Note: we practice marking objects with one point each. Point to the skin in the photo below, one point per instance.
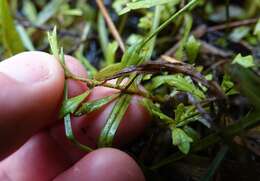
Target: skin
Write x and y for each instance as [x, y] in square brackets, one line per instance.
[33, 145]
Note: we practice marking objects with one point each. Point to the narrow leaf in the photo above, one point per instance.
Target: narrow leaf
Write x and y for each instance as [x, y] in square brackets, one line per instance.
[68, 127]
[114, 119]
[49, 10]
[25, 38]
[70, 105]
[143, 4]
[215, 163]
[108, 71]
[94, 105]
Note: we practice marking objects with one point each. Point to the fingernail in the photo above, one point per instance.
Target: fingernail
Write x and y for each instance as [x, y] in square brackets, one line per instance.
[27, 67]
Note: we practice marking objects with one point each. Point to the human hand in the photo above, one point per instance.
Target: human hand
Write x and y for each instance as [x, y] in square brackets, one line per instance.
[33, 145]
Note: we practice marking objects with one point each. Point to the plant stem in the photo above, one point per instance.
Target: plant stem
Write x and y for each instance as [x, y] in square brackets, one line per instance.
[94, 83]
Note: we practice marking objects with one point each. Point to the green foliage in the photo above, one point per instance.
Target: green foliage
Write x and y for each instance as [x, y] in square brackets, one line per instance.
[91, 106]
[111, 52]
[239, 33]
[71, 105]
[9, 37]
[187, 28]
[192, 48]
[228, 86]
[108, 71]
[181, 139]
[142, 4]
[156, 112]
[27, 43]
[113, 121]
[68, 127]
[180, 82]
[247, 61]
[49, 10]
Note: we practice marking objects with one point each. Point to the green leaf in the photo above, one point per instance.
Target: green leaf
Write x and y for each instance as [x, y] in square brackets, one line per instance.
[70, 105]
[114, 119]
[132, 56]
[228, 86]
[187, 28]
[181, 139]
[68, 127]
[102, 33]
[10, 38]
[247, 61]
[29, 10]
[70, 135]
[53, 41]
[111, 52]
[108, 71]
[142, 4]
[94, 105]
[186, 114]
[156, 112]
[192, 133]
[239, 33]
[192, 48]
[179, 112]
[48, 11]
[25, 38]
[180, 82]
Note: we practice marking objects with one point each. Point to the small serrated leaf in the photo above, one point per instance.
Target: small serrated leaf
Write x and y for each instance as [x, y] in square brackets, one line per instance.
[246, 61]
[181, 139]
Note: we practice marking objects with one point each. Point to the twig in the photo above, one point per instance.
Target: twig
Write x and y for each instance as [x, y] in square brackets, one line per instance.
[110, 24]
[233, 24]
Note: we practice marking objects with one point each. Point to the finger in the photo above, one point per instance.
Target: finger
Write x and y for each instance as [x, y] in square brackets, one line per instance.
[31, 90]
[56, 142]
[41, 158]
[104, 164]
[88, 128]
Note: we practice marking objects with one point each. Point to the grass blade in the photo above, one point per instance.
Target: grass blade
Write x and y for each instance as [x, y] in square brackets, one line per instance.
[215, 164]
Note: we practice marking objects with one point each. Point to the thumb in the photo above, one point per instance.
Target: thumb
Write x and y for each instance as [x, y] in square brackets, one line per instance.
[31, 90]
